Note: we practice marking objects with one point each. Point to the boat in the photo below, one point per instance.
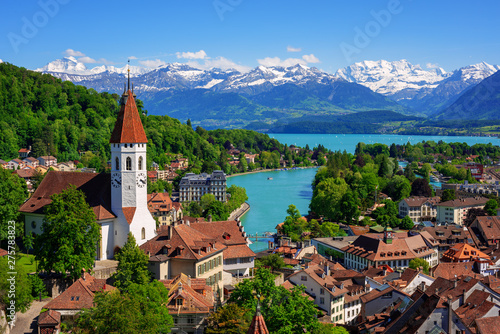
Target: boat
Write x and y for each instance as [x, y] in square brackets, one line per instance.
[269, 178]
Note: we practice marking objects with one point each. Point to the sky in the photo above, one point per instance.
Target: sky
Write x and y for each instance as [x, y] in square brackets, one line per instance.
[243, 34]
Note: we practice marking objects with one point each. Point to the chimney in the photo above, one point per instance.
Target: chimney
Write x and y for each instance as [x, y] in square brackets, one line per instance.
[170, 230]
[450, 313]
[83, 273]
[327, 269]
[422, 286]
[455, 282]
[384, 271]
[209, 218]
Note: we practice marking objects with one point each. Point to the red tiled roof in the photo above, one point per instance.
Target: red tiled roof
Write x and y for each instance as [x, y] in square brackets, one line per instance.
[96, 187]
[476, 306]
[490, 226]
[80, 294]
[128, 126]
[129, 213]
[258, 325]
[196, 294]
[461, 252]
[25, 173]
[464, 202]
[488, 325]
[24, 150]
[448, 270]
[49, 318]
[236, 251]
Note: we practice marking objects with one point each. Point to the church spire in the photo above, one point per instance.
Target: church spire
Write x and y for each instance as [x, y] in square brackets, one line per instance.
[128, 74]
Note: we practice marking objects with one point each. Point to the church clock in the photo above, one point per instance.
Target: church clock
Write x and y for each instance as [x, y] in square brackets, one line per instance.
[141, 180]
[116, 180]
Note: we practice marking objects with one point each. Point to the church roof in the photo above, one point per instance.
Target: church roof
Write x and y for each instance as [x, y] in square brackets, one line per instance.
[258, 325]
[128, 126]
[96, 188]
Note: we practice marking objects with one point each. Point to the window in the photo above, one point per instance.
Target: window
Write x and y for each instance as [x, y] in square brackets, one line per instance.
[179, 301]
[140, 163]
[129, 163]
[303, 278]
[322, 291]
[143, 233]
[322, 300]
[33, 224]
[117, 163]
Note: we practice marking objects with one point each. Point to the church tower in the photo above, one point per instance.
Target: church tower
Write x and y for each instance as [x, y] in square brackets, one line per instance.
[129, 175]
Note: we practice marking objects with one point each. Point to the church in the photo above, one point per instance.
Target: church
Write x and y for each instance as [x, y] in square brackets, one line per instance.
[119, 199]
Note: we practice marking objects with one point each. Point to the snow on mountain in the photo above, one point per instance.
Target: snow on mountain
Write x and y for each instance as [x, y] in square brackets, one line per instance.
[389, 78]
[71, 65]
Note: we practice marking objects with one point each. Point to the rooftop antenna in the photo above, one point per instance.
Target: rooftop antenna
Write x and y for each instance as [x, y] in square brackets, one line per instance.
[128, 70]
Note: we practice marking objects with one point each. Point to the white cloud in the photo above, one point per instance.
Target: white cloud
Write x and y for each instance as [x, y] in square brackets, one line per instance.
[292, 49]
[431, 65]
[152, 63]
[132, 57]
[310, 58]
[87, 60]
[192, 55]
[73, 53]
[276, 61]
[219, 62]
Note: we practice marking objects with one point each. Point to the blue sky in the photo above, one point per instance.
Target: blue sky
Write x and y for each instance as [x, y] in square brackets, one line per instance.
[245, 33]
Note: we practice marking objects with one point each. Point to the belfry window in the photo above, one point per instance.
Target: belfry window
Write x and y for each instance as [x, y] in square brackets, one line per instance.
[117, 163]
[140, 163]
[129, 163]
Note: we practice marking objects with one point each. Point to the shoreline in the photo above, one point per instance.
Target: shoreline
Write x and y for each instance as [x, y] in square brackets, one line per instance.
[240, 212]
[269, 170]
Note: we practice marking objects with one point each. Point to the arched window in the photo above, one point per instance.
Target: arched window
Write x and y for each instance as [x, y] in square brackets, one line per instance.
[143, 233]
[117, 164]
[140, 163]
[129, 163]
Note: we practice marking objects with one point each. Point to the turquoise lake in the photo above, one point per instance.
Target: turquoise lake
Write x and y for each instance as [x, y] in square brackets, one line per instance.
[269, 199]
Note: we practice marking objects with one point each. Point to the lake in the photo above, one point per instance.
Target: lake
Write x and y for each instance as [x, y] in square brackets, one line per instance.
[269, 199]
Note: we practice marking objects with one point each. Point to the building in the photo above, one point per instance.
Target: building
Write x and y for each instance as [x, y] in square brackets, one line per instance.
[192, 186]
[30, 161]
[47, 160]
[119, 199]
[487, 229]
[161, 206]
[49, 322]
[328, 246]
[24, 152]
[328, 293]
[190, 301]
[449, 235]
[80, 295]
[238, 257]
[396, 251]
[463, 253]
[419, 208]
[181, 249]
[16, 164]
[455, 211]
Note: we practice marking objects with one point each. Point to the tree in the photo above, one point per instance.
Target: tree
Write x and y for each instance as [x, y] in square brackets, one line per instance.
[230, 318]
[13, 193]
[491, 207]
[406, 223]
[273, 261]
[472, 214]
[418, 262]
[69, 235]
[19, 278]
[132, 265]
[409, 174]
[326, 195]
[139, 310]
[329, 229]
[398, 188]
[448, 195]
[206, 200]
[218, 211]
[284, 311]
[348, 208]
[194, 209]
[421, 187]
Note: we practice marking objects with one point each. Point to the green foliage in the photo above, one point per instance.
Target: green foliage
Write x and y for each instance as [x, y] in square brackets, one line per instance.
[406, 223]
[13, 193]
[132, 265]
[139, 310]
[326, 196]
[421, 187]
[448, 195]
[237, 198]
[37, 286]
[491, 207]
[283, 311]
[331, 329]
[398, 188]
[418, 262]
[69, 235]
[218, 211]
[206, 200]
[387, 215]
[20, 280]
[273, 261]
[230, 319]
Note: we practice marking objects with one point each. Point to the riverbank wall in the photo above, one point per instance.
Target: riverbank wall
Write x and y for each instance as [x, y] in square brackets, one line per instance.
[269, 170]
[238, 213]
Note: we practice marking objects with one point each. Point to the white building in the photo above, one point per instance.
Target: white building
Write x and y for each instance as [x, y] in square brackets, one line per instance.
[455, 211]
[119, 200]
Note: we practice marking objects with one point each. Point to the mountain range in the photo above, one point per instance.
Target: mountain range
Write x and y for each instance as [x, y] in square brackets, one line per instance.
[229, 98]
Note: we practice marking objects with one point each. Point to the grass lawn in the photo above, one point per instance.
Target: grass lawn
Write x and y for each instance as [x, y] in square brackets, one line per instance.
[28, 262]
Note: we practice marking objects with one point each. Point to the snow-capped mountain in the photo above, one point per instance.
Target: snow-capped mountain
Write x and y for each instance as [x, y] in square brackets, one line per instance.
[390, 78]
[70, 65]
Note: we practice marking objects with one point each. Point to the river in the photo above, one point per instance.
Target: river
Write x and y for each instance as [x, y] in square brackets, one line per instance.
[269, 199]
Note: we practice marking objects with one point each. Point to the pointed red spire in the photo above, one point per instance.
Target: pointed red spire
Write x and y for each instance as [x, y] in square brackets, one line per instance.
[258, 325]
[128, 127]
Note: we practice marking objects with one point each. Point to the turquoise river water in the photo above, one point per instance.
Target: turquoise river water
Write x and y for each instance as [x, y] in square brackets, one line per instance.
[269, 199]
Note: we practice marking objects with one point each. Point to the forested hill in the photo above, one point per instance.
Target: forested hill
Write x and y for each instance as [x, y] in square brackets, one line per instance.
[63, 119]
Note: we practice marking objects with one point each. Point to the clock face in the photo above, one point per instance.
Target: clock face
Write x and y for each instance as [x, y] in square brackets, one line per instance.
[116, 180]
[141, 180]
